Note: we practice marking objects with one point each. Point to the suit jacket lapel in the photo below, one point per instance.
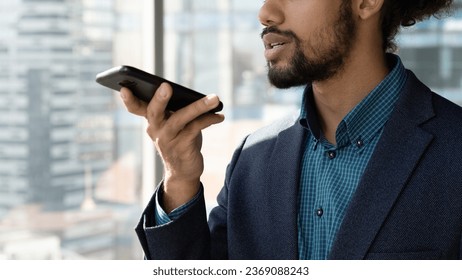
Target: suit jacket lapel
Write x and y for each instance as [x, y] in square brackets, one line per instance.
[402, 144]
[283, 189]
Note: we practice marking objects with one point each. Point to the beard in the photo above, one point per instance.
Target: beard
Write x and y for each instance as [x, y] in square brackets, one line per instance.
[327, 60]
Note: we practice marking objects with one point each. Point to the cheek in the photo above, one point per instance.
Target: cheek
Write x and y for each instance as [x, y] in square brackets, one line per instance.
[315, 41]
[305, 17]
[312, 30]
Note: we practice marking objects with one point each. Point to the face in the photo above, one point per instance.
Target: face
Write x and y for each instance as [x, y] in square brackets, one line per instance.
[306, 40]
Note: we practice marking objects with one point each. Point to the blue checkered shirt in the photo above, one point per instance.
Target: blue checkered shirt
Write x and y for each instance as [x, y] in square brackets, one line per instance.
[330, 174]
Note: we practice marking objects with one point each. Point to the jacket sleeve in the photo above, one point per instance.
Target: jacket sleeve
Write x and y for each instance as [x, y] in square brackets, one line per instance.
[187, 237]
[190, 236]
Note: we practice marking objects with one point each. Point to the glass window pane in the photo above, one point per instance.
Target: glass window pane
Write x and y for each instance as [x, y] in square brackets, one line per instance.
[69, 153]
[246, 5]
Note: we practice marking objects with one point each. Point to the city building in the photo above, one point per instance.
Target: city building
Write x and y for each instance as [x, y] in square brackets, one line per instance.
[59, 136]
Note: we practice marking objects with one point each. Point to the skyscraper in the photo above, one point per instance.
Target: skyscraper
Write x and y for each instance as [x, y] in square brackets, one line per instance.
[58, 131]
[55, 121]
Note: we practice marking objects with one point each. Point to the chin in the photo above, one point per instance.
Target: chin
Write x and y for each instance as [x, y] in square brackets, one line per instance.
[285, 77]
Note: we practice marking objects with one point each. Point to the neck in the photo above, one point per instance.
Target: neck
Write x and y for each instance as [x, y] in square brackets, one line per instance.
[336, 97]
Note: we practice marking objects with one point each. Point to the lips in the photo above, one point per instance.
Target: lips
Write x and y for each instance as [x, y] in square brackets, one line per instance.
[274, 45]
[273, 40]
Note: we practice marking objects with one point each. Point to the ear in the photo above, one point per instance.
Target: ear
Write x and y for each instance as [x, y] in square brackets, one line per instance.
[366, 9]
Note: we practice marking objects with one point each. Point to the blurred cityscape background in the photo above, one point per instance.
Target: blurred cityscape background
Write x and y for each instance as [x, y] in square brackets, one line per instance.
[70, 155]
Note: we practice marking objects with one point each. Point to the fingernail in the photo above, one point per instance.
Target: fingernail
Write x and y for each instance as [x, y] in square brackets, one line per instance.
[123, 95]
[210, 99]
[162, 91]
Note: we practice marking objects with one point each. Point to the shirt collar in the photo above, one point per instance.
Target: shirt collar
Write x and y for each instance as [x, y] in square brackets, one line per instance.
[366, 118]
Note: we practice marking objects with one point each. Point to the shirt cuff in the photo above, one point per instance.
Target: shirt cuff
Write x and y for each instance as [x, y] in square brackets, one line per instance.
[162, 218]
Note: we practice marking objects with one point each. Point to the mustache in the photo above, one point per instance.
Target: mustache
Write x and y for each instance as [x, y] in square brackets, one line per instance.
[275, 30]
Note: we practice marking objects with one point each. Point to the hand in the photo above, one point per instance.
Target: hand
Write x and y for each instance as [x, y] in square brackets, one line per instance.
[178, 139]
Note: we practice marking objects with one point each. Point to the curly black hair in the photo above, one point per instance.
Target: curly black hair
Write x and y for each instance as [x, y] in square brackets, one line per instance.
[398, 13]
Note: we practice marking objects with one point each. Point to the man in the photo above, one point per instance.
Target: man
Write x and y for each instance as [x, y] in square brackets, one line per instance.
[370, 170]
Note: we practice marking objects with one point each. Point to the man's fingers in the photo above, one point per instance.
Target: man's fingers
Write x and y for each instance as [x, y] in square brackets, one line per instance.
[133, 104]
[156, 111]
[190, 132]
[201, 123]
[193, 111]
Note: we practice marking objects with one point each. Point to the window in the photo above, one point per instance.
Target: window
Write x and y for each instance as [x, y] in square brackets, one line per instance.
[70, 154]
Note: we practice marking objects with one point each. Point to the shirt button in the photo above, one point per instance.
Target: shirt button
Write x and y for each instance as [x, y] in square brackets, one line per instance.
[331, 154]
[320, 212]
[359, 143]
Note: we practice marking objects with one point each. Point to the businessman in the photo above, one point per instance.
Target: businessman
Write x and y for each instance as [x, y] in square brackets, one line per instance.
[371, 169]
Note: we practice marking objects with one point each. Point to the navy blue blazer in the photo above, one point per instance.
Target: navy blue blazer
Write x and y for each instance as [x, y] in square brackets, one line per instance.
[408, 204]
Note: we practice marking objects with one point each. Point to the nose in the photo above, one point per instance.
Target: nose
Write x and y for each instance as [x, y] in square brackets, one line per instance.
[271, 13]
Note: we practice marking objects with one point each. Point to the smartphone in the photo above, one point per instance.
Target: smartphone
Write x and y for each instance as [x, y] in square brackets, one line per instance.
[143, 85]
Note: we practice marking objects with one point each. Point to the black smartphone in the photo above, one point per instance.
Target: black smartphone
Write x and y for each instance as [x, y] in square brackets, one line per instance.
[143, 85]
